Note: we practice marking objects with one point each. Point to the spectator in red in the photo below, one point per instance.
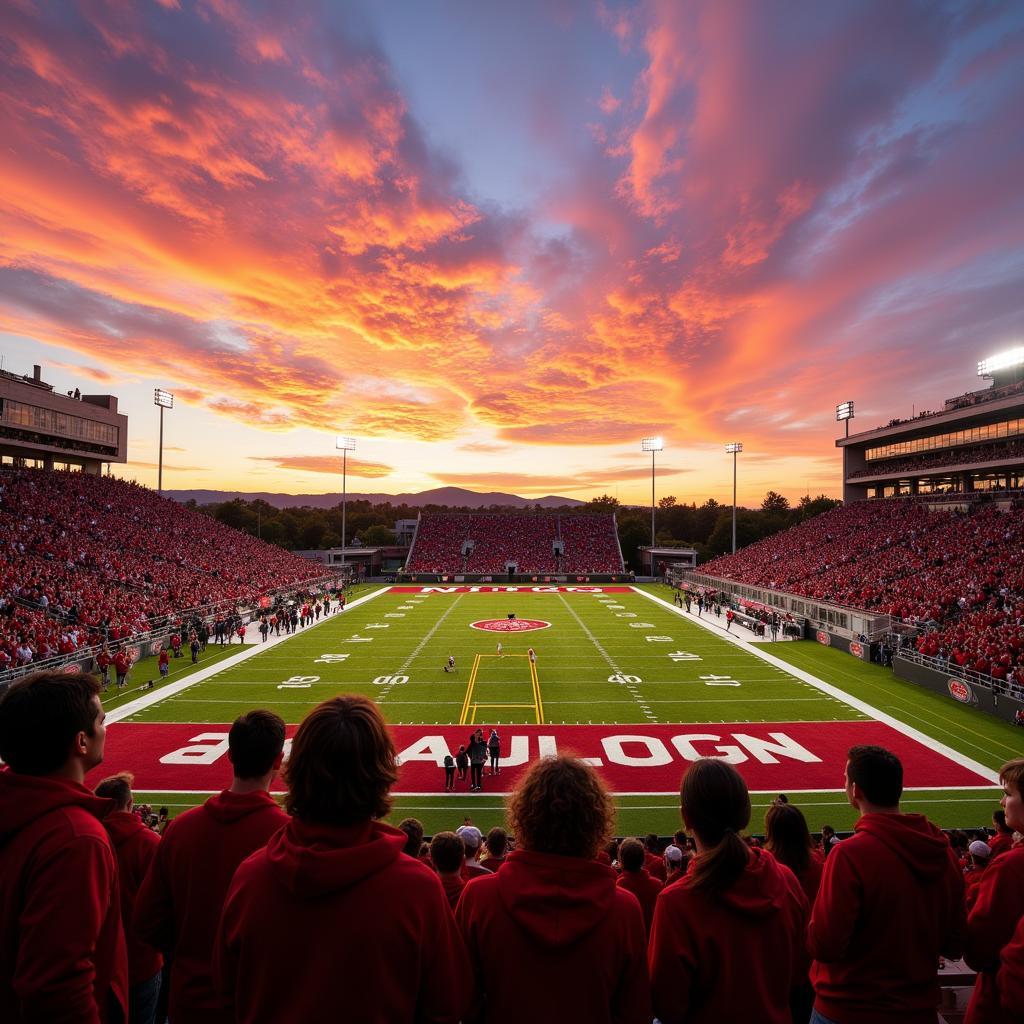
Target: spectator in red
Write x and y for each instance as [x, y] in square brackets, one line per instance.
[379, 940]
[979, 858]
[164, 663]
[473, 839]
[135, 846]
[179, 904]
[447, 855]
[497, 849]
[788, 840]
[998, 908]
[103, 661]
[654, 862]
[728, 937]
[553, 914]
[1010, 981]
[62, 950]
[635, 878]
[891, 902]
[1003, 839]
[122, 666]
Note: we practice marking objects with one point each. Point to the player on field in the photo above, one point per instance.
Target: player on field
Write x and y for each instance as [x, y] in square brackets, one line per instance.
[499, 650]
[532, 655]
[450, 667]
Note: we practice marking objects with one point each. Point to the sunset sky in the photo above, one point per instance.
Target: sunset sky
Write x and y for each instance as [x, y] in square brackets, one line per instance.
[499, 243]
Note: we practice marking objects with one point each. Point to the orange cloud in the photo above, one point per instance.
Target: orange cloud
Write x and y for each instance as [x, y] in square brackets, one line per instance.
[325, 464]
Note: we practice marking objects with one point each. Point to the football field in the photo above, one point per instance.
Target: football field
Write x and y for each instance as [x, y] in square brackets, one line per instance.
[618, 675]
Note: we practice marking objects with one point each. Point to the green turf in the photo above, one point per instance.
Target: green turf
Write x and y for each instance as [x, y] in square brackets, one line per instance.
[393, 648]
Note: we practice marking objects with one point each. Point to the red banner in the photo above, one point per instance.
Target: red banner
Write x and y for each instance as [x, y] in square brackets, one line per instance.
[780, 757]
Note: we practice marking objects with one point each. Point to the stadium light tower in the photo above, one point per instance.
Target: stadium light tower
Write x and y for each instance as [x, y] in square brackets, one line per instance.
[344, 445]
[844, 413]
[733, 448]
[165, 400]
[652, 445]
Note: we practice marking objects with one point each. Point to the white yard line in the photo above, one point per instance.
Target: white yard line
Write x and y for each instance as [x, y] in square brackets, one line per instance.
[133, 707]
[834, 691]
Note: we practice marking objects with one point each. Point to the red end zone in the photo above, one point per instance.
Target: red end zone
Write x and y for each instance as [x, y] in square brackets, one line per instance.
[779, 757]
[443, 588]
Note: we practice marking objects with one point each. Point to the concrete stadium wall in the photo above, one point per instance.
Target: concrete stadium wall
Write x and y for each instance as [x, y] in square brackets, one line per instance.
[1009, 709]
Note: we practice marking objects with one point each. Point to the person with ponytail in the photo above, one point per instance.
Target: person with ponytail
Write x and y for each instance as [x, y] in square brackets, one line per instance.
[727, 939]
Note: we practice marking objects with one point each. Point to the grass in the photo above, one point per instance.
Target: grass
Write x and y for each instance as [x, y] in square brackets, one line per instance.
[594, 665]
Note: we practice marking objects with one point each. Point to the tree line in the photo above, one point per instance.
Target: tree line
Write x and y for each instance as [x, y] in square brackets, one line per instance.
[706, 527]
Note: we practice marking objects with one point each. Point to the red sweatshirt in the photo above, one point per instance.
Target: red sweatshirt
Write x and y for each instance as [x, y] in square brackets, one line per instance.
[563, 925]
[998, 907]
[179, 904]
[330, 923]
[645, 889]
[731, 957]
[135, 846]
[62, 951]
[1001, 842]
[1010, 982]
[891, 901]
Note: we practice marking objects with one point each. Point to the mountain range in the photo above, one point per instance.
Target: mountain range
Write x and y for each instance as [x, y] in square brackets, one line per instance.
[451, 496]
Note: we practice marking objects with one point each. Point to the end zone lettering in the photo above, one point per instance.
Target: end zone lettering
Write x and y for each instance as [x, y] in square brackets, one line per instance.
[647, 758]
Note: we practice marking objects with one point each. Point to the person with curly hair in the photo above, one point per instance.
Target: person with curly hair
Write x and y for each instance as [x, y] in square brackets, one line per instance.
[331, 920]
[727, 939]
[553, 914]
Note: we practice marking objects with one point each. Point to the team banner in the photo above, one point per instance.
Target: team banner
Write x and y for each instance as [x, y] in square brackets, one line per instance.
[773, 757]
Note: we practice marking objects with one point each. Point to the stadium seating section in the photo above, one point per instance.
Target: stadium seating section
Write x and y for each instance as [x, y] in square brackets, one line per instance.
[493, 540]
[960, 573]
[81, 554]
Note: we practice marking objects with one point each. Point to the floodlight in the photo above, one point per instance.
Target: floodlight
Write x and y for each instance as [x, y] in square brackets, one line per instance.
[844, 411]
[652, 444]
[345, 444]
[1002, 361]
[163, 398]
[733, 447]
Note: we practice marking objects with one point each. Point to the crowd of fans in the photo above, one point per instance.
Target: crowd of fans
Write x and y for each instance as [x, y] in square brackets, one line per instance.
[490, 542]
[243, 911]
[86, 558]
[951, 457]
[961, 574]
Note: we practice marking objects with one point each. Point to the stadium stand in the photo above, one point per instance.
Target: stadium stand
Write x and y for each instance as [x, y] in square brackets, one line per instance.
[82, 556]
[490, 542]
[960, 573]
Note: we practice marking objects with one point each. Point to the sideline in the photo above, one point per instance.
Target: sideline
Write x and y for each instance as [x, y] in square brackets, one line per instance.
[833, 691]
[133, 707]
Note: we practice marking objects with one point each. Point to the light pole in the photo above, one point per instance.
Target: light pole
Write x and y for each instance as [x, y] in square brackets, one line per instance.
[165, 400]
[344, 445]
[734, 448]
[652, 445]
[844, 413]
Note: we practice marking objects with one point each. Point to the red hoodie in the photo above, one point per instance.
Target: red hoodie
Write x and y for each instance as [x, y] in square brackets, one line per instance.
[998, 906]
[330, 923]
[891, 901]
[62, 951]
[179, 904]
[645, 888]
[731, 957]
[135, 846]
[1011, 974]
[561, 924]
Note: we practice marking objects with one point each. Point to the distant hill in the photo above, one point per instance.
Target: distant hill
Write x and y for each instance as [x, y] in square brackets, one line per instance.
[452, 496]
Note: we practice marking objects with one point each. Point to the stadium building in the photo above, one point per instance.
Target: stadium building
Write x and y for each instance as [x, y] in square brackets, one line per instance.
[43, 429]
[973, 446]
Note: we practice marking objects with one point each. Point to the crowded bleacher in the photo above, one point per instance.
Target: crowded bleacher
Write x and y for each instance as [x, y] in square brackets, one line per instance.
[533, 542]
[959, 573]
[86, 558]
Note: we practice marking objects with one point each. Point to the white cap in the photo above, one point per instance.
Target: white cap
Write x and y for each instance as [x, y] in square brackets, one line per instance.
[979, 849]
[470, 835]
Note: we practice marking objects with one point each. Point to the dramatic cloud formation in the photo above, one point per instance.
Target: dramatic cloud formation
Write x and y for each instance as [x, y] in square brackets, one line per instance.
[721, 219]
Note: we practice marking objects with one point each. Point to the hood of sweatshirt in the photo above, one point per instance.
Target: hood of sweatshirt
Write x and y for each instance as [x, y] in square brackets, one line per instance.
[556, 900]
[26, 798]
[121, 826]
[761, 891]
[913, 838]
[313, 860]
[228, 807]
